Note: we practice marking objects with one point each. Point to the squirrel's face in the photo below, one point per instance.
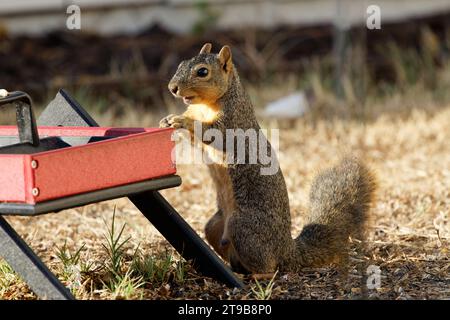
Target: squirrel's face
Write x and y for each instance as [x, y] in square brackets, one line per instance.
[204, 78]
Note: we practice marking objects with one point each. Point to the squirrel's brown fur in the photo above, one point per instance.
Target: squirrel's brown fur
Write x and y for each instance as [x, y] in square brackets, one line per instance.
[252, 227]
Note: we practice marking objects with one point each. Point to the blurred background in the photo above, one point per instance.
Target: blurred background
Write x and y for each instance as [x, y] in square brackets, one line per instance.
[314, 55]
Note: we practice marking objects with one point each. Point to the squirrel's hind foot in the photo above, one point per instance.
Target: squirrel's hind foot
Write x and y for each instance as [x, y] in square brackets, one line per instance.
[262, 276]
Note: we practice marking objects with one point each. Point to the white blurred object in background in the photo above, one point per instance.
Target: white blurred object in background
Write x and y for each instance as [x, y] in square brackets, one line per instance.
[292, 106]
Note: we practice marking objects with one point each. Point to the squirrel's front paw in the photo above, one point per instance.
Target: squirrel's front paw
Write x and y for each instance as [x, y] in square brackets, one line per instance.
[177, 122]
[166, 121]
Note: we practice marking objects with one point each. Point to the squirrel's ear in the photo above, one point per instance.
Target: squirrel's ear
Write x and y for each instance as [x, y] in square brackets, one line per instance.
[225, 58]
[206, 48]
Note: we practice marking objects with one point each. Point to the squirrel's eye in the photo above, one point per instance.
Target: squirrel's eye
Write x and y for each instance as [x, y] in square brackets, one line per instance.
[202, 72]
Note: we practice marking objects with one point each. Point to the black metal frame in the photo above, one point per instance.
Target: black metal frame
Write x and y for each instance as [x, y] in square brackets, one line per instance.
[25, 119]
[89, 197]
[183, 238]
[142, 194]
[28, 265]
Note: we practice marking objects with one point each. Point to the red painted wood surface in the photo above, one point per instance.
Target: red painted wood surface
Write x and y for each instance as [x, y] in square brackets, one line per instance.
[78, 131]
[136, 155]
[14, 178]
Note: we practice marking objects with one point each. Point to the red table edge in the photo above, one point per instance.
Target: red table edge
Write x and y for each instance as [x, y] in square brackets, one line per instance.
[51, 131]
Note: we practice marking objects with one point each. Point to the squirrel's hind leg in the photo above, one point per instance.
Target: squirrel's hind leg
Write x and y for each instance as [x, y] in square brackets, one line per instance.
[214, 231]
[236, 265]
[253, 250]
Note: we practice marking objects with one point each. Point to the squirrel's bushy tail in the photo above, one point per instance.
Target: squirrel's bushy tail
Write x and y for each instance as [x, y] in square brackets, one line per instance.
[340, 199]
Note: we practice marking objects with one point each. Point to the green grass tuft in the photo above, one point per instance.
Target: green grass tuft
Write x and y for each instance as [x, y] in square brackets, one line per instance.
[261, 292]
[115, 246]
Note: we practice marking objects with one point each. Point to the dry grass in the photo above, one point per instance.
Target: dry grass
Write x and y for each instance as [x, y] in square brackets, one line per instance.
[408, 238]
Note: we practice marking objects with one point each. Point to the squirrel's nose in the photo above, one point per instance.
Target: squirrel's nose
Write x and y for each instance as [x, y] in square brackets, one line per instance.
[173, 87]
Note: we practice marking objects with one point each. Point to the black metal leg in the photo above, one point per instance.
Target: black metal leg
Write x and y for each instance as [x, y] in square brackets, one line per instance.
[25, 262]
[182, 237]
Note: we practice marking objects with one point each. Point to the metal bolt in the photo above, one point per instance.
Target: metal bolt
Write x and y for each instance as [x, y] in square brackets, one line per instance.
[35, 192]
[34, 164]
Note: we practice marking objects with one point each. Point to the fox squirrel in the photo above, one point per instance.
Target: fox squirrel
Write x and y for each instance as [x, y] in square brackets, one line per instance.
[252, 227]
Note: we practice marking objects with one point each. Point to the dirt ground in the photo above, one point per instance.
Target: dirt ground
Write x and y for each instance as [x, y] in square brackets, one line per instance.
[408, 238]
